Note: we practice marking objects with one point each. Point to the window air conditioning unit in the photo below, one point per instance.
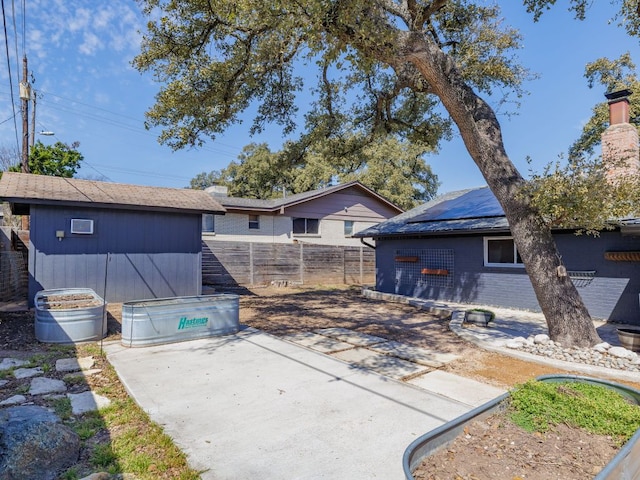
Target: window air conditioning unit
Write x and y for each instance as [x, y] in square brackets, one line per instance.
[82, 226]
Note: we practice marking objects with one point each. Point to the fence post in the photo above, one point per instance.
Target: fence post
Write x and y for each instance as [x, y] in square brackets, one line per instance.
[361, 265]
[251, 278]
[301, 263]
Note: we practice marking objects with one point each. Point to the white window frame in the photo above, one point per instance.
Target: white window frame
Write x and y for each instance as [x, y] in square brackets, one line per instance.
[79, 226]
[254, 224]
[213, 220]
[352, 225]
[515, 264]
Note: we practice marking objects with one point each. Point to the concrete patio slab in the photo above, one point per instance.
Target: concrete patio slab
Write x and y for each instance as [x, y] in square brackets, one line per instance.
[351, 336]
[423, 356]
[253, 406]
[386, 365]
[459, 388]
[317, 342]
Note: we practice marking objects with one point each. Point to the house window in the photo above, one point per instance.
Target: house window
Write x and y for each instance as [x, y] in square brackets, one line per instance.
[254, 222]
[501, 252]
[306, 226]
[348, 228]
[83, 226]
[208, 223]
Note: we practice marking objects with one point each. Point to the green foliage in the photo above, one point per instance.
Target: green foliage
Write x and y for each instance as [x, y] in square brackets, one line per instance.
[394, 169]
[214, 63]
[578, 195]
[611, 76]
[628, 15]
[58, 160]
[204, 180]
[537, 406]
[62, 407]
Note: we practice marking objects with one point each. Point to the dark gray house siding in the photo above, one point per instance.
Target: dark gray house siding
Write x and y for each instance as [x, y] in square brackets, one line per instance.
[609, 289]
[137, 254]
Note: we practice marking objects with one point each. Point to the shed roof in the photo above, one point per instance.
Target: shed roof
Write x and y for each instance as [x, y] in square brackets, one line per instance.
[273, 205]
[24, 189]
[464, 211]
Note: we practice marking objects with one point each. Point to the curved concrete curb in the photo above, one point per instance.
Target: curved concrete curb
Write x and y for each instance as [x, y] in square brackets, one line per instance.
[485, 341]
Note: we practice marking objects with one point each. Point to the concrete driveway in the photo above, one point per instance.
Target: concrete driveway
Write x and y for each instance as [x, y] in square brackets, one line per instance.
[253, 406]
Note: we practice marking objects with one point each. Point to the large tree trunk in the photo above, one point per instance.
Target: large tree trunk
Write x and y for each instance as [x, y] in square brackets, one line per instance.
[568, 320]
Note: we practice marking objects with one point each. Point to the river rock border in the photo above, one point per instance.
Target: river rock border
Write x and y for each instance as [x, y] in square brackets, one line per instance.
[600, 355]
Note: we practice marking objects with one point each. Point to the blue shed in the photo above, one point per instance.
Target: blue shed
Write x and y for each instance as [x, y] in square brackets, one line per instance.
[125, 242]
[458, 248]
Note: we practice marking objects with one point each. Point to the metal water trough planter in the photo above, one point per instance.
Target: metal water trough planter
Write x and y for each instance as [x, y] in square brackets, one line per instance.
[62, 318]
[178, 319]
[629, 339]
[625, 465]
[478, 317]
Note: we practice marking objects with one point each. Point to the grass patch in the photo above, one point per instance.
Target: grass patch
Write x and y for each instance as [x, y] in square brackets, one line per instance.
[537, 406]
[62, 407]
[130, 442]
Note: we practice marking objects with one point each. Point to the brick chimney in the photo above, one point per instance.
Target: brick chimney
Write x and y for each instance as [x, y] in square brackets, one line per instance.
[620, 148]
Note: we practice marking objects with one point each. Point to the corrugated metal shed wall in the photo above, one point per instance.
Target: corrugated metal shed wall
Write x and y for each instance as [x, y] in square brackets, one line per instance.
[143, 254]
[612, 292]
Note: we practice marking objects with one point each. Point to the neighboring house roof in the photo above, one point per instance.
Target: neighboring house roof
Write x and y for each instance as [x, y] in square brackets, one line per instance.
[23, 189]
[274, 205]
[463, 211]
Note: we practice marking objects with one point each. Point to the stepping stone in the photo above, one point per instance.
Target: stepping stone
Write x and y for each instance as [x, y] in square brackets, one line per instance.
[349, 336]
[317, 342]
[462, 389]
[422, 356]
[84, 373]
[87, 402]
[27, 372]
[8, 363]
[74, 364]
[42, 386]
[14, 400]
[383, 364]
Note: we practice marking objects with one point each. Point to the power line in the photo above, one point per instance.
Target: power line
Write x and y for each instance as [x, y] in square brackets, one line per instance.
[6, 45]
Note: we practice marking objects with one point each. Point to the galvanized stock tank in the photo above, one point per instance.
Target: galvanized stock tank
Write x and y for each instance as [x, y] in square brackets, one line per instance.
[177, 319]
[69, 315]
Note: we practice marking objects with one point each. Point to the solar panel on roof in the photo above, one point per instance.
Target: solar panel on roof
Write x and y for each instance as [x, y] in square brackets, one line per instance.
[480, 203]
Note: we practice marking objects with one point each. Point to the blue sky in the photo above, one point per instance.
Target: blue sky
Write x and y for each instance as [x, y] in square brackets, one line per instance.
[80, 52]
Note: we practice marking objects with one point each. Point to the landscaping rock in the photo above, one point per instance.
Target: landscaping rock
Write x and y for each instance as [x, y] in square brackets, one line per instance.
[541, 339]
[621, 352]
[34, 444]
[87, 402]
[13, 400]
[8, 363]
[42, 386]
[27, 372]
[74, 364]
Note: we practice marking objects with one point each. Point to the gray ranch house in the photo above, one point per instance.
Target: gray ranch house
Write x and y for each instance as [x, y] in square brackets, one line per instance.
[328, 216]
[125, 242]
[458, 247]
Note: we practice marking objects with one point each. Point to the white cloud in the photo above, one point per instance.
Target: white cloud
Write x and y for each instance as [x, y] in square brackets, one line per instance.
[91, 43]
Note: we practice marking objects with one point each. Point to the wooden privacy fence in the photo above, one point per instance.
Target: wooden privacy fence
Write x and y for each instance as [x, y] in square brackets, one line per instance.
[244, 263]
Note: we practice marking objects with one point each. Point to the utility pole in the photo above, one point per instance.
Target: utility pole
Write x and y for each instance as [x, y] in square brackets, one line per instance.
[25, 94]
[32, 140]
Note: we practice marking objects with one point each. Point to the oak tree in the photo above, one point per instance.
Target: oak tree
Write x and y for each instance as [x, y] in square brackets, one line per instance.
[383, 66]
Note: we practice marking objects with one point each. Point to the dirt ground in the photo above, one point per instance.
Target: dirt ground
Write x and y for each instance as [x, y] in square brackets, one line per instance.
[283, 311]
[494, 448]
